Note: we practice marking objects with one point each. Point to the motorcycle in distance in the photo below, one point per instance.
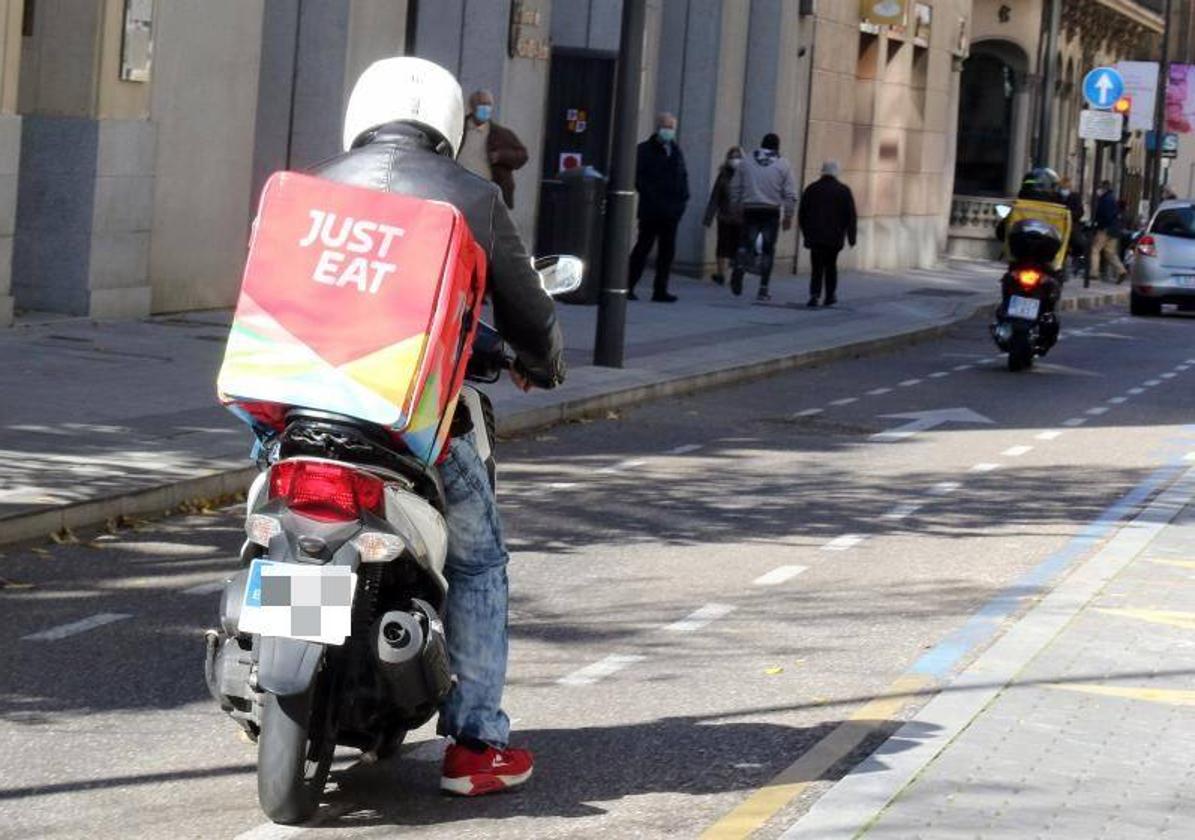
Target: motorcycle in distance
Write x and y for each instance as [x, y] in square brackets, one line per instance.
[1025, 324]
[338, 509]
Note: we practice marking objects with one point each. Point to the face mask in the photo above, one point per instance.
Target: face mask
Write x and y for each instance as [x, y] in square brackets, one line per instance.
[733, 163]
[482, 113]
[666, 135]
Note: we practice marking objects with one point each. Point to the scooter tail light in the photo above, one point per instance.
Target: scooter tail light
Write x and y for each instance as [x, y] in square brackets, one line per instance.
[1147, 246]
[1028, 278]
[261, 529]
[325, 491]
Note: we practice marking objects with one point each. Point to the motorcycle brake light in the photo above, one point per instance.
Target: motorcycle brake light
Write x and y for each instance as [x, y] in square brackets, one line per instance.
[1147, 246]
[327, 492]
[1028, 277]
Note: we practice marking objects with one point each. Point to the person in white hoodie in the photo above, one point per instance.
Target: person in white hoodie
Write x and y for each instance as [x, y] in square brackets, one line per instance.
[763, 188]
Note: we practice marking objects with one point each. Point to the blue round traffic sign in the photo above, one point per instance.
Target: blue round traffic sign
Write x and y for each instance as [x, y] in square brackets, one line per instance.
[1102, 87]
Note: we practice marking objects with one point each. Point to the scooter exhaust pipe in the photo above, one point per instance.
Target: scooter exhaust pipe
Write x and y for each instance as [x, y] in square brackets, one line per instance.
[411, 653]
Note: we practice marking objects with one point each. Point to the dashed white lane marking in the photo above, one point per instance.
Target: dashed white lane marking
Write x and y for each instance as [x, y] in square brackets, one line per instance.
[683, 450]
[75, 627]
[623, 465]
[957, 368]
[908, 383]
[1117, 400]
[1183, 368]
[879, 392]
[205, 588]
[1097, 411]
[809, 412]
[944, 488]
[1074, 421]
[1169, 375]
[845, 401]
[562, 485]
[779, 575]
[1017, 451]
[601, 669]
[846, 541]
[902, 511]
[938, 374]
[1052, 434]
[1136, 391]
[1152, 382]
[699, 618]
[986, 467]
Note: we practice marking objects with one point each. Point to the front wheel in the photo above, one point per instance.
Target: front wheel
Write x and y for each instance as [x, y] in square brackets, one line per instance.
[294, 753]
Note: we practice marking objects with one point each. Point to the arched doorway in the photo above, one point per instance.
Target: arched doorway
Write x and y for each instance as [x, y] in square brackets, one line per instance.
[993, 106]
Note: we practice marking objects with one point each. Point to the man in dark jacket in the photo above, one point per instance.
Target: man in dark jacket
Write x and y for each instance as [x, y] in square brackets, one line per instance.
[404, 121]
[490, 150]
[827, 218]
[663, 185]
[1106, 241]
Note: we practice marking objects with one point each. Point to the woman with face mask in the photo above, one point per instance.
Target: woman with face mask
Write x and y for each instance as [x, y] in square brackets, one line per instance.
[720, 207]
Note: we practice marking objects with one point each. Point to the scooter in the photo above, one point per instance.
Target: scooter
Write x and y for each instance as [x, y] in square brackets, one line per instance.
[1025, 324]
[330, 634]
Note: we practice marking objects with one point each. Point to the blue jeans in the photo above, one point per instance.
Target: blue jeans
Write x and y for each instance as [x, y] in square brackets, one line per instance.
[475, 619]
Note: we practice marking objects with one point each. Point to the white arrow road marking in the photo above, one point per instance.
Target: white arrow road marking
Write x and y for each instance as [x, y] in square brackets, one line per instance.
[921, 421]
[699, 618]
[779, 575]
[601, 669]
[75, 627]
[846, 541]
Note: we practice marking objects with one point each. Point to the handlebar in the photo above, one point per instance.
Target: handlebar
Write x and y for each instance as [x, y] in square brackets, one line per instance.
[491, 355]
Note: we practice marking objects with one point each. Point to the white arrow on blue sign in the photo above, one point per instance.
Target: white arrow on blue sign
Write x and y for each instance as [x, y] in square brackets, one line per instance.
[1102, 87]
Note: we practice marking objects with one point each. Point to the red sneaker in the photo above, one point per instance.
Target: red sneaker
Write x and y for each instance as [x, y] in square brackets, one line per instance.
[469, 773]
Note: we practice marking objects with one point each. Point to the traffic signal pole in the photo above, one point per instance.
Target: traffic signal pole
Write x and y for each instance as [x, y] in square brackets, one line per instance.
[1155, 158]
[620, 195]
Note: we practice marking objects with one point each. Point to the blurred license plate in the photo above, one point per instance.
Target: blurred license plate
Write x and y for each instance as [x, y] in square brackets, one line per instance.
[313, 603]
[1022, 307]
[1183, 281]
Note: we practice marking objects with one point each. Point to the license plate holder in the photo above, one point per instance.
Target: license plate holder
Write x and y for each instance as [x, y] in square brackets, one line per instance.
[296, 601]
[1023, 307]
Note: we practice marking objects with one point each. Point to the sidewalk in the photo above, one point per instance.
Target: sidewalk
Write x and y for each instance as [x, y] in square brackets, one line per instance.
[1076, 724]
[102, 420]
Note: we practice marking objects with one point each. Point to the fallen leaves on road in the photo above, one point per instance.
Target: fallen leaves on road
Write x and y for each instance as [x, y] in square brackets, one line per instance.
[771, 672]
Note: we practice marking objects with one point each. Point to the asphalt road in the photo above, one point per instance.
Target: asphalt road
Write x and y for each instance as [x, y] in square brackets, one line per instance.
[704, 589]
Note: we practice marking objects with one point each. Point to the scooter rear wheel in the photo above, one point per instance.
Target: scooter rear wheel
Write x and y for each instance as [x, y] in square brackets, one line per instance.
[294, 754]
[1020, 353]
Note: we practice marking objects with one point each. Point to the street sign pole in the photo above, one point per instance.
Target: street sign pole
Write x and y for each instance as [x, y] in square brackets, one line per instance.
[1051, 76]
[1155, 168]
[620, 195]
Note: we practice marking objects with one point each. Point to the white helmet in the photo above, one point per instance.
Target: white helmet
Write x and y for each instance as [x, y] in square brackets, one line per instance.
[409, 89]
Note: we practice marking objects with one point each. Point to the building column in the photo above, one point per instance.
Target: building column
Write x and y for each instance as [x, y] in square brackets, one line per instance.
[1018, 158]
[86, 173]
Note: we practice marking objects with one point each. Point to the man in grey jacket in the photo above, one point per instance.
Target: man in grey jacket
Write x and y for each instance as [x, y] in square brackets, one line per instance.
[761, 188]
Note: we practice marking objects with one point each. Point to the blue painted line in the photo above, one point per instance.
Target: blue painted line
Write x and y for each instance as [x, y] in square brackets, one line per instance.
[941, 659]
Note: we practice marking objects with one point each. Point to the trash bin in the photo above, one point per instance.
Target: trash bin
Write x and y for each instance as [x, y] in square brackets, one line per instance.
[572, 220]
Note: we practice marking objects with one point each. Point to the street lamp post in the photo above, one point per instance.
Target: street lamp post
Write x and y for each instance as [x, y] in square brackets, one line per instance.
[620, 195]
[1155, 178]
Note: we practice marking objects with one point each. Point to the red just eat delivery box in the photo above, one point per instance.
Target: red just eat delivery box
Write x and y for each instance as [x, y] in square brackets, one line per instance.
[358, 302]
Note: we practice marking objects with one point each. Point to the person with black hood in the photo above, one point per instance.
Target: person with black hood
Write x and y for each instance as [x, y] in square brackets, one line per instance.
[662, 182]
[761, 188]
[828, 219]
[730, 227]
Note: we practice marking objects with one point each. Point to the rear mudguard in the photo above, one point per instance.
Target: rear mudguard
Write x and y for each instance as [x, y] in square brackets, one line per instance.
[286, 667]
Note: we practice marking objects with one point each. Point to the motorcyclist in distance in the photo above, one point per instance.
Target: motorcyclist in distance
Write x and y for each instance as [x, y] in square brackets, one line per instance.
[402, 132]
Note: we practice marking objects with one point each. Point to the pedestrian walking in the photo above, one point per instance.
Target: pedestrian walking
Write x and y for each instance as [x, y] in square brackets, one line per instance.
[490, 150]
[663, 186]
[719, 207]
[1105, 244]
[827, 220]
[1078, 242]
[761, 189]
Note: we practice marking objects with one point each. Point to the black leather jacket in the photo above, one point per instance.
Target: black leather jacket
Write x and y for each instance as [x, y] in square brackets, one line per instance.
[401, 158]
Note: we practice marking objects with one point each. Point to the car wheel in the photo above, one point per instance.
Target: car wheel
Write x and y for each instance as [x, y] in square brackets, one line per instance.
[1143, 306]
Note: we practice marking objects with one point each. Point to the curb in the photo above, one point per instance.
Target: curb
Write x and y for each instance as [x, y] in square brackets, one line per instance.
[155, 500]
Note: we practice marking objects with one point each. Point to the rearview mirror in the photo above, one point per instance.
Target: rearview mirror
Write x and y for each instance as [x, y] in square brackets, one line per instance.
[560, 275]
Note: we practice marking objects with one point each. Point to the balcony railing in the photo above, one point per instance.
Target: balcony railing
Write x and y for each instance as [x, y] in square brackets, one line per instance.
[974, 217]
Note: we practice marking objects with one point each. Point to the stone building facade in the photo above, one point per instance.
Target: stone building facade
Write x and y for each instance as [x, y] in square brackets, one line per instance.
[1002, 90]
